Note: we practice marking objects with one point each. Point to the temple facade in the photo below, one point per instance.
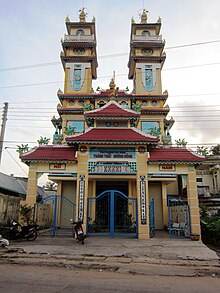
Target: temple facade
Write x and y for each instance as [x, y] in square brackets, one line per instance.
[112, 155]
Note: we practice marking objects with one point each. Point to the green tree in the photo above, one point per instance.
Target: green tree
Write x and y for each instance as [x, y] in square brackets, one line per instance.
[210, 226]
[26, 213]
[215, 150]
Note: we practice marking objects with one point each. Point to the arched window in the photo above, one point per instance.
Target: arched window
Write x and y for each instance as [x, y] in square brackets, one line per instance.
[145, 33]
[80, 32]
[124, 104]
[101, 104]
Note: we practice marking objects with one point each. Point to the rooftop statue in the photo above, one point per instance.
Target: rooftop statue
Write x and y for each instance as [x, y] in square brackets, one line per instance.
[21, 149]
[82, 15]
[43, 141]
[143, 16]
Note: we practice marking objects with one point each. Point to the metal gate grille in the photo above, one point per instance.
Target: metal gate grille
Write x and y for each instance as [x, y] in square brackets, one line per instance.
[179, 218]
[53, 214]
[112, 213]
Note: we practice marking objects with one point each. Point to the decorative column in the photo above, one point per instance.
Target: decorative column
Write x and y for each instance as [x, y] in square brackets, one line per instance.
[59, 193]
[82, 189]
[142, 196]
[192, 196]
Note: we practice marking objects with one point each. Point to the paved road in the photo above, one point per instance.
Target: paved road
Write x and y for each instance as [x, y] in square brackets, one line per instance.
[18, 279]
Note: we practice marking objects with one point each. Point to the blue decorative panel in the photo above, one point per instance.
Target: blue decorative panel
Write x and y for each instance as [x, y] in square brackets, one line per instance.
[146, 126]
[148, 78]
[143, 200]
[78, 125]
[77, 77]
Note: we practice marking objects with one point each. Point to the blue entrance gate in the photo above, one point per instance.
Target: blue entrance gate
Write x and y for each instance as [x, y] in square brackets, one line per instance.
[54, 213]
[112, 213]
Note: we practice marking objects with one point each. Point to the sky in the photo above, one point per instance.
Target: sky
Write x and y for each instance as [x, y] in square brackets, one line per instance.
[31, 72]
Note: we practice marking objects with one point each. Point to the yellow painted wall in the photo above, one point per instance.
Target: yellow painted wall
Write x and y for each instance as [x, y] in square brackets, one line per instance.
[152, 31]
[156, 52]
[140, 89]
[86, 30]
[86, 87]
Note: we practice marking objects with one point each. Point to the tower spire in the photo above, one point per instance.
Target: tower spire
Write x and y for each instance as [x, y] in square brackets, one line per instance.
[143, 16]
[82, 15]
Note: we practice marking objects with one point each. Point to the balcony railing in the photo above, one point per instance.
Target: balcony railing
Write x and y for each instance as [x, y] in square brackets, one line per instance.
[207, 191]
[73, 38]
[112, 168]
[147, 38]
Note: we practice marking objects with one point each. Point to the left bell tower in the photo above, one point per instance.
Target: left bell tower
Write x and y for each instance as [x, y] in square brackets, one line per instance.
[79, 57]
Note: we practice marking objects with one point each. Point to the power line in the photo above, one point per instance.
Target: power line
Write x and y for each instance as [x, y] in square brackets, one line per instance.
[16, 161]
[103, 57]
[191, 66]
[193, 44]
[13, 142]
[173, 107]
[107, 76]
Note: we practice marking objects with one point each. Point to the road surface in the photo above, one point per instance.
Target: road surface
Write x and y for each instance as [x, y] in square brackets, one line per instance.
[20, 279]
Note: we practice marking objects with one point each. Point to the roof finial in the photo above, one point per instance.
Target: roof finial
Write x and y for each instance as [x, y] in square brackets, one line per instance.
[82, 15]
[144, 16]
[112, 82]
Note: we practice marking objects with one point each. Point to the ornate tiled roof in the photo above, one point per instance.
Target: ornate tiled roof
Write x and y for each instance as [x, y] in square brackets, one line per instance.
[112, 109]
[62, 110]
[50, 153]
[172, 155]
[106, 94]
[112, 135]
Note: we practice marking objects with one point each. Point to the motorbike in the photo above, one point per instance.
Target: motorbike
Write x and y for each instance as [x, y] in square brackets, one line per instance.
[78, 231]
[17, 231]
[3, 242]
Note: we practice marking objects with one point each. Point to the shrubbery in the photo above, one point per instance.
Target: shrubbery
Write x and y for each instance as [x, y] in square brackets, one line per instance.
[210, 227]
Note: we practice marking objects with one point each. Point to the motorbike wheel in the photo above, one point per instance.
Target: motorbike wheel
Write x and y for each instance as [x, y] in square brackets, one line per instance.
[32, 236]
[81, 238]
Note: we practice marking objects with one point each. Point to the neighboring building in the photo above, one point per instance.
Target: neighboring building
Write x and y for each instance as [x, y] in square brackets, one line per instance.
[13, 192]
[208, 183]
[112, 155]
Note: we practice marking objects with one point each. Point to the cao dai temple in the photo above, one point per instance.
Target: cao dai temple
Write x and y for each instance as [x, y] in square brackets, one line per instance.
[112, 154]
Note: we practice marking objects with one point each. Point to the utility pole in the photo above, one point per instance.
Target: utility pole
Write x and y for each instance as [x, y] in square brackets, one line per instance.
[3, 125]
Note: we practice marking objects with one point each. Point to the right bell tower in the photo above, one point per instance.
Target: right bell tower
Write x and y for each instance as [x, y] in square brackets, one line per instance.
[146, 56]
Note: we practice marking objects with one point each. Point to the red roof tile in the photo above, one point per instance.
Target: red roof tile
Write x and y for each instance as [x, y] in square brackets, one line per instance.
[110, 135]
[112, 109]
[174, 154]
[50, 153]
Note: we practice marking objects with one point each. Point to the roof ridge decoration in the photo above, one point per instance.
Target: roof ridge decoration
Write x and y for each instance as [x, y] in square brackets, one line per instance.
[29, 151]
[195, 153]
[143, 133]
[110, 129]
[52, 146]
[116, 104]
[79, 134]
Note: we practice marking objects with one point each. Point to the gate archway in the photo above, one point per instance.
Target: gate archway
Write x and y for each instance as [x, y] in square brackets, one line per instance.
[112, 213]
